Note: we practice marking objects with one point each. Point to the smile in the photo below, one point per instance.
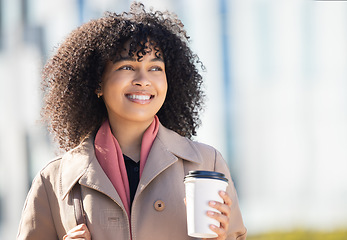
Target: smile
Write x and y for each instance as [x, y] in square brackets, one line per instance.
[139, 97]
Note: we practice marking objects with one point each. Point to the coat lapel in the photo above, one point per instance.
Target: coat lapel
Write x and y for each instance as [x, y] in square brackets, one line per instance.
[96, 179]
[80, 165]
[166, 149]
[158, 160]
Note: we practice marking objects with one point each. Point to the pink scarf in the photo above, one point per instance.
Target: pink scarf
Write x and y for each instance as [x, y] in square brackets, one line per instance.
[110, 157]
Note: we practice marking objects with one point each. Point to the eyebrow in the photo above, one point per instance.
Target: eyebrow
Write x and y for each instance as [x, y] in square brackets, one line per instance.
[132, 59]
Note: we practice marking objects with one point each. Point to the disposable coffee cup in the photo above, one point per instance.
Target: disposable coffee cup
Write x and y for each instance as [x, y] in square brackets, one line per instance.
[201, 188]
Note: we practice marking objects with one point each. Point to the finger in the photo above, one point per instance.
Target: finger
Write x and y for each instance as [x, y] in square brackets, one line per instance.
[87, 233]
[222, 233]
[77, 228]
[222, 207]
[69, 238]
[78, 232]
[66, 237]
[223, 219]
[226, 198]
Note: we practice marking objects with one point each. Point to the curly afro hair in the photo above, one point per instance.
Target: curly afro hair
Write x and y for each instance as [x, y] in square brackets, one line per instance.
[71, 77]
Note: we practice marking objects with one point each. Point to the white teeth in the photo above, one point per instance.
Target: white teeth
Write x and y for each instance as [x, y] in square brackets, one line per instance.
[139, 97]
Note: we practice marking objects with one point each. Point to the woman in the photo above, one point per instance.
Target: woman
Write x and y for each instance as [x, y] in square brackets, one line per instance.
[123, 97]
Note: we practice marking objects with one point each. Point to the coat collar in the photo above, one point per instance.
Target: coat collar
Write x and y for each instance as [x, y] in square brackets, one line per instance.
[80, 164]
[178, 145]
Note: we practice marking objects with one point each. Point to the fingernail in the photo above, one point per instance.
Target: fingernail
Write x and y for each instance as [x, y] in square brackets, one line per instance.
[212, 203]
[213, 226]
[210, 213]
[222, 193]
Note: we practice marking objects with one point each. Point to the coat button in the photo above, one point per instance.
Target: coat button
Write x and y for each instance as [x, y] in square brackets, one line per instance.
[159, 205]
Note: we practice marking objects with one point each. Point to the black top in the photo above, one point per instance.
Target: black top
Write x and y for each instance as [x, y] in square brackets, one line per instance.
[133, 171]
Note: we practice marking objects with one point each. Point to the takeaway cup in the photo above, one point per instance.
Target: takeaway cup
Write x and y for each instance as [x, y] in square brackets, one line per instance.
[202, 187]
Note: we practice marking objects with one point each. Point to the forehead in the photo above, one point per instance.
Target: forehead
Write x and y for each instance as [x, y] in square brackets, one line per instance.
[136, 51]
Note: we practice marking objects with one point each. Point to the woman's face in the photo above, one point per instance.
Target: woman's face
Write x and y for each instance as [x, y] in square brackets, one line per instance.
[134, 90]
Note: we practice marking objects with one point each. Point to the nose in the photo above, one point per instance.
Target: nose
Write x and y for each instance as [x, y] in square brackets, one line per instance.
[141, 79]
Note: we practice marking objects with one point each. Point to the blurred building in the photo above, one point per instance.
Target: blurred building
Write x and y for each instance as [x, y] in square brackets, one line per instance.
[277, 94]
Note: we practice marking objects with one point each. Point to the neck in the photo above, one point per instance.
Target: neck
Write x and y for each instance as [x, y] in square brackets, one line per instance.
[129, 136]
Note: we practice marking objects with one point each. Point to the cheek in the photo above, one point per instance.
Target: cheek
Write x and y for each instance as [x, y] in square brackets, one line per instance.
[164, 86]
[112, 85]
[112, 95]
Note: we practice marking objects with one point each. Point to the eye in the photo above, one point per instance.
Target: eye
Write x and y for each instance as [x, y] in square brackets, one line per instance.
[156, 68]
[125, 67]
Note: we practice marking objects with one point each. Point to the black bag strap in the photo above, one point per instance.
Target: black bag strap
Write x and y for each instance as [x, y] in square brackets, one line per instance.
[78, 204]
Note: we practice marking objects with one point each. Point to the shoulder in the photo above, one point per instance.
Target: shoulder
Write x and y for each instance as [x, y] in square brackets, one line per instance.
[187, 148]
[70, 161]
[170, 135]
[46, 180]
[207, 151]
[52, 167]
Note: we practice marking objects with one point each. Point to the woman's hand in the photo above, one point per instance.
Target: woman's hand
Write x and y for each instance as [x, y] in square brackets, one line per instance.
[223, 217]
[80, 232]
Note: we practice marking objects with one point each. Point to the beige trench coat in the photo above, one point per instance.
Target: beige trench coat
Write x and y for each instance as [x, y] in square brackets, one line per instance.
[48, 212]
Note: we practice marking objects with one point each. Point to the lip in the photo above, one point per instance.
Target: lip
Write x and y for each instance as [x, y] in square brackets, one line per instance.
[139, 97]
